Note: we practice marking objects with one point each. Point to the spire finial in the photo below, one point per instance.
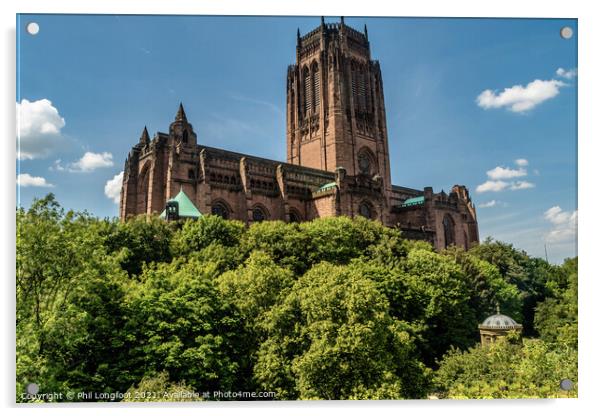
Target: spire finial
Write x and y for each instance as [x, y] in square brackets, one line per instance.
[322, 20]
[366, 31]
[298, 34]
[342, 20]
[181, 115]
[144, 138]
[497, 307]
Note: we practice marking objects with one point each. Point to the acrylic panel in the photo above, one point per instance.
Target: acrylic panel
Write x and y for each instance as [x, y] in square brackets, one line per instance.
[217, 208]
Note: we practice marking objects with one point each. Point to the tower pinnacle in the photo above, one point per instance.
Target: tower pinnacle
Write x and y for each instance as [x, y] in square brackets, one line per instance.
[144, 138]
[181, 115]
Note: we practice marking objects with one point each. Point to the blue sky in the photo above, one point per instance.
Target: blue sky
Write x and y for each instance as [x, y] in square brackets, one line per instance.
[466, 99]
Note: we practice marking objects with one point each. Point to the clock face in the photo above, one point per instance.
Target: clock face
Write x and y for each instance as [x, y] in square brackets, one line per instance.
[364, 163]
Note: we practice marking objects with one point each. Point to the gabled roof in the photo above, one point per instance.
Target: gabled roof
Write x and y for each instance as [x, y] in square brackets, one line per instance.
[417, 200]
[186, 209]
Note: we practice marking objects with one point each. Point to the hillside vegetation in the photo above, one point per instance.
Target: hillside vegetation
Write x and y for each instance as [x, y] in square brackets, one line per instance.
[335, 308]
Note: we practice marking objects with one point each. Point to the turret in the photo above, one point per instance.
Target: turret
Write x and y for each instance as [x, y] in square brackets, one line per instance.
[181, 130]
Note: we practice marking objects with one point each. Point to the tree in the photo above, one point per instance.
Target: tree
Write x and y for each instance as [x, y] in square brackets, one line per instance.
[138, 241]
[158, 388]
[333, 338]
[284, 242]
[196, 235]
[339, 239]
[507, 368]
[556, 316]
[178, 323]
[68, 301]
[529, 275]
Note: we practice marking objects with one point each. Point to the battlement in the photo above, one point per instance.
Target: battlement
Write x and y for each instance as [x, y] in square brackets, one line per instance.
[333, 29]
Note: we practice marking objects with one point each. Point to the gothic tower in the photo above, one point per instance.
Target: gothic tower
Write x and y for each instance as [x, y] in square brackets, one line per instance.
[156, 170]
[335, 104]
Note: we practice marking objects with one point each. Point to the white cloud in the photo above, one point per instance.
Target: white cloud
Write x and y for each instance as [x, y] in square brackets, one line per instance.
[521, 162]
[519, 98]
[89, 161]
[489, 204]
[505, 173]
[113, 187]
[497, 186]
[564, 225]
[25, 179]
[566, 73]
[56, 166]
[498, 182]
[39, 127]
[515, 186]
[492, 186]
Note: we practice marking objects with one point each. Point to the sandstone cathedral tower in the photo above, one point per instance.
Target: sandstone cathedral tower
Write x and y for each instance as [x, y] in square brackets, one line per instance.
[337, 157]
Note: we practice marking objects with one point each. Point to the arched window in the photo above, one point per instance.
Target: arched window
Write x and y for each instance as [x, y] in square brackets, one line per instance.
[185, 136]
[294, 216]
[315, 94]
[366, 162]
[358, 87]
[366, 210]
[306, 91]
[143, 187]
[448, 230]
[220, 209]
[191, 174]
[259, 214]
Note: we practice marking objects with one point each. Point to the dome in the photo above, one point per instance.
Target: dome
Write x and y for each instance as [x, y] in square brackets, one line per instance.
[499, 321]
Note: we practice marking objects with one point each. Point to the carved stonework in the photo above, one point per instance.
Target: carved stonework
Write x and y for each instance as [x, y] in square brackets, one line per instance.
[337, 156]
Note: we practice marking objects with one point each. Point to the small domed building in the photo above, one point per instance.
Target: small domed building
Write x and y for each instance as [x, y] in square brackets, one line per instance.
[497, 326]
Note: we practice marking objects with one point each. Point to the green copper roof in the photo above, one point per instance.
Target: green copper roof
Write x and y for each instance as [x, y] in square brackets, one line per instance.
[186, 208]
[418, 200]
[327, 186]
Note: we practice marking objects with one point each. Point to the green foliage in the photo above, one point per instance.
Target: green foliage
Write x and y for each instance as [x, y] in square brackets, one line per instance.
[335, 308]
[285, 243]
[529, 275]
[141, 240]
[198, 234]
[556, 316]
[158, 388]
[178, 323]
[333, 338]
[489, 289]
[340, 239]
[507, 368]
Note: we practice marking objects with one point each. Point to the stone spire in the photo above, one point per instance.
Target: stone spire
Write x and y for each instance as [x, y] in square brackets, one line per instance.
[144, 138]
[181, 115]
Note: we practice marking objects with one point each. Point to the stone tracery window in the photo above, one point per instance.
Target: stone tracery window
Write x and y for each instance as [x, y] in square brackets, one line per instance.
[220, 209]
[259, 214]
[448, 230]
[315, 94]
[306, 91]
[366, 210]
[365, 162]
[293, 216]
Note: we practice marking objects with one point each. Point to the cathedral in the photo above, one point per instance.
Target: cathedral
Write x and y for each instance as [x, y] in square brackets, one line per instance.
[337, 160]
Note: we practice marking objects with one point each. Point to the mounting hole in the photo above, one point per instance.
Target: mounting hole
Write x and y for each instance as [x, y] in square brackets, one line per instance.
[32, 28]
[566, 384]
[566, 32]
[32, 388]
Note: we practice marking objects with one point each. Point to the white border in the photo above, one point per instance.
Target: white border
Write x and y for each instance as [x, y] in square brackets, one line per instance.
[590, 135]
